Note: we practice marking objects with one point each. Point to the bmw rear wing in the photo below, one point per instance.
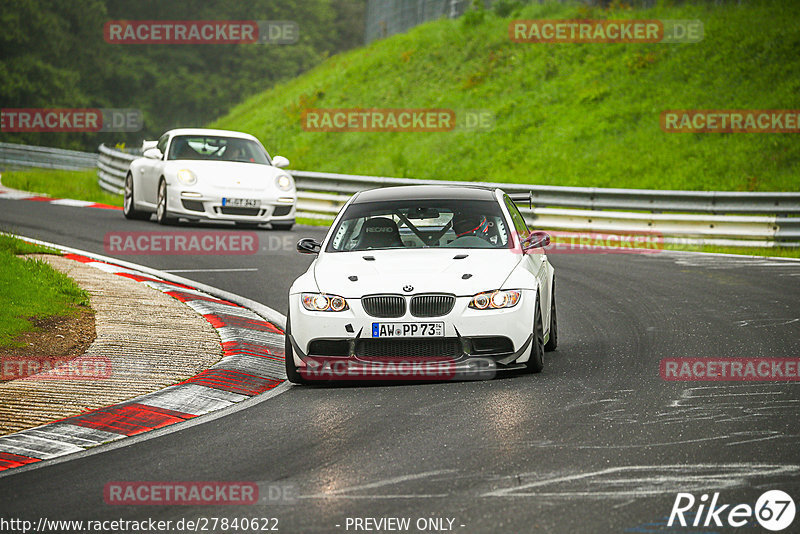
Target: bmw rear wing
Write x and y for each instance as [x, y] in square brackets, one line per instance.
[522, 198]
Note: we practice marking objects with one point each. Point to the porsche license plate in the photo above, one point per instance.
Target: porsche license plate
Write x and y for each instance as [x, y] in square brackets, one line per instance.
[407, 329]
[241, 202]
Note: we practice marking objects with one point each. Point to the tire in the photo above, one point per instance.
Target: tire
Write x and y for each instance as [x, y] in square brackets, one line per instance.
[127, 202]
[292, 374]
[162, 216]
[552, 342]
[535, 363]
[282, 226]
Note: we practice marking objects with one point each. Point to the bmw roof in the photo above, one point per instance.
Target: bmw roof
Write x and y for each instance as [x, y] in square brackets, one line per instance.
[425, 192]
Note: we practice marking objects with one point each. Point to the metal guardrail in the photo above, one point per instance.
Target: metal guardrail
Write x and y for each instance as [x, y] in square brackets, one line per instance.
[592, 198]
[112, 166]
[18, 156]
[686, 217]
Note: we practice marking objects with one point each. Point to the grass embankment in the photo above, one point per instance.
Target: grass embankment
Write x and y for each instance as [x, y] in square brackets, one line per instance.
[30, 288]
[566, 114]
[78, 185]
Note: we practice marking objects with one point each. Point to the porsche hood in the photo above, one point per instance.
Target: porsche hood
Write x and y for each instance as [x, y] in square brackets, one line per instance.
[230, 176]
[448, 270]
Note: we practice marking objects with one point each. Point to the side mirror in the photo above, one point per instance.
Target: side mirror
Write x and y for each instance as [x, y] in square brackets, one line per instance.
[307, 245]
[152, 153]
[280, 162]
[147, 145]
[536, 240]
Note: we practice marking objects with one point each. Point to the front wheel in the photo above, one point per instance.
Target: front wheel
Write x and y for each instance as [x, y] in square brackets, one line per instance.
[292, 374]
[162, 216]
[552, 341]
[535, 363]
[127, 202]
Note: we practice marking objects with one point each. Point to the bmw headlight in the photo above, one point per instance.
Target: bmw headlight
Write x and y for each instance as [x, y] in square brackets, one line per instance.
[187, 177]
[284, 182]
[495, 300]
[323, 302]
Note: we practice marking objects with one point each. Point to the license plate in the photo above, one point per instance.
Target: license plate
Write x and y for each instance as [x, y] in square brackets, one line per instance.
[241, 202]
[407, 329]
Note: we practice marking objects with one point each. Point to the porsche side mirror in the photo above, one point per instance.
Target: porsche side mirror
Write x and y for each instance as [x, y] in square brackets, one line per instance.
[308, 245]
[147, 145]
[280, 162]
[152, 153]
[536, 240]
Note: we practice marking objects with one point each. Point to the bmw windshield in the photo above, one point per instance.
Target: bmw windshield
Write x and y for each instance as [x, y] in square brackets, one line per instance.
[412, 224]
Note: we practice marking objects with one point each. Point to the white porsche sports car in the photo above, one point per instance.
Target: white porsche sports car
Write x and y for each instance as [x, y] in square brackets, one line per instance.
[424, 272]
[218, 175]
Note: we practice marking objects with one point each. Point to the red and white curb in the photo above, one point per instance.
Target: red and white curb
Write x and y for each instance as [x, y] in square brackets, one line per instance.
[13, 194]
[252, 364]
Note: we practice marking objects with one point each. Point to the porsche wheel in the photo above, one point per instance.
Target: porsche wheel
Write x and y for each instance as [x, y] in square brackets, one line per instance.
[162, 215]
[127, 202]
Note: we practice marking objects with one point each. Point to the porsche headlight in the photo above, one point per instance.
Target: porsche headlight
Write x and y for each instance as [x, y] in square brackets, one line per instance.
[187, 177]
[495, 300]
[284, 182]
[323, 302]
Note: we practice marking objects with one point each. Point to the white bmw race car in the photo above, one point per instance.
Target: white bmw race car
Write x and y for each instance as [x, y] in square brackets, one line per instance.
[448, 273]
[216, 175]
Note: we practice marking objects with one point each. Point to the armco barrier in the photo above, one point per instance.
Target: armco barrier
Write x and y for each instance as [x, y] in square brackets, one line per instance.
[15, 156]
[688, 217]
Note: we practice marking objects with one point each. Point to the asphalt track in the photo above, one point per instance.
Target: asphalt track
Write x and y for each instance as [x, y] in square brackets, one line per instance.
[596, 443]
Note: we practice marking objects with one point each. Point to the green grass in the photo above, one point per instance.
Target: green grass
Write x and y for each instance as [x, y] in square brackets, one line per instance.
[14, 245]
[78, 185]
[566, 114]
[31, 288]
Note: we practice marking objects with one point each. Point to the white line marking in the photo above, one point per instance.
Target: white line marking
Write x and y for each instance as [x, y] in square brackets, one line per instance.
[380, 483]
[656, 480]
[232, 270]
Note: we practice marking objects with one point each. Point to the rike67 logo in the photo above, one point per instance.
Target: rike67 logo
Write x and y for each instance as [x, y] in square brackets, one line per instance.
[774, 510]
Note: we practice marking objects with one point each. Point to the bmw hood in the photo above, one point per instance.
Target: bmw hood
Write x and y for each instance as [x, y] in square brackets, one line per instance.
[230, 176]
[458, 271]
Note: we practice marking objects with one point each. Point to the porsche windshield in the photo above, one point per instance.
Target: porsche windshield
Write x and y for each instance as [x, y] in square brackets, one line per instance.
[215, 148]
[420, 224]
